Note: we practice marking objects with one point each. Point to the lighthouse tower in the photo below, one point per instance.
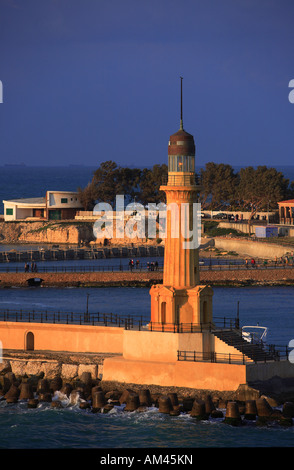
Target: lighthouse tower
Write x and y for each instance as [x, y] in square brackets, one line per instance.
[180, 346]
[180, 299]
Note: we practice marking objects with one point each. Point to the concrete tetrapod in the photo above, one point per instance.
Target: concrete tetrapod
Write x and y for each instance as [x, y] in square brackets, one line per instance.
[26, 391]
[188, 404]
[264, 411]
[11, 396]
[145, 397]
[232, 414]
[209, 405]
[124, 395]
[55, 384]
[8, 380]
[43, 386]
[198, 410]
[288, 409]
[287, 414]
[45, 397]
[98, 401]
[174, 399]
[250, 410]
[165, 404]
[33, 403]
[133, 402]
[66, 389]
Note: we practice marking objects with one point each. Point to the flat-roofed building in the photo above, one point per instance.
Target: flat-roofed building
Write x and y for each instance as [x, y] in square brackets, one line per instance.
[56, 205]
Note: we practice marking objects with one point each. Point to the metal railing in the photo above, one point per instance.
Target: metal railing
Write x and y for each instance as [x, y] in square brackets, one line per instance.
[80, 269]
[226, 323]
[194, 356]
[181, 180]
[228, 358]
[224, 265]
[93, 319]
[110, 319]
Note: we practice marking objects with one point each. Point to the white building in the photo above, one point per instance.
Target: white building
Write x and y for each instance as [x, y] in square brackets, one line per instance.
[56, 205]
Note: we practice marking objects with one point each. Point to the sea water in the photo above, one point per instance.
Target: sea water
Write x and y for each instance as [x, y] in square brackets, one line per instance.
[71, 427]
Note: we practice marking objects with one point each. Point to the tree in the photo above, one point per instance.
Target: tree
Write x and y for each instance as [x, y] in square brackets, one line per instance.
[219, 183]
[151, 180]
[87, 197]
[105, 182]
[129, 182]
[260, 188]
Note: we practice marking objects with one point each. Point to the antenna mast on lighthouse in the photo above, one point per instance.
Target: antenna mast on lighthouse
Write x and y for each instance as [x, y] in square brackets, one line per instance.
[181, 122]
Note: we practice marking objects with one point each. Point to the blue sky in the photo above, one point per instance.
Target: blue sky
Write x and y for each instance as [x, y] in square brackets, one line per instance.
[86, 81]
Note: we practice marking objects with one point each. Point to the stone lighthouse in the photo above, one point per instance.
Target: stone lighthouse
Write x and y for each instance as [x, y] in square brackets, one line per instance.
[181, 300]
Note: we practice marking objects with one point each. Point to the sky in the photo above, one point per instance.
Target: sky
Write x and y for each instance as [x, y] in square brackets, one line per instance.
[85, 81]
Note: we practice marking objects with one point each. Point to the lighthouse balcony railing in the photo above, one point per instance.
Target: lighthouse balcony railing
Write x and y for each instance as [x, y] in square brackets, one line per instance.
[181, 180]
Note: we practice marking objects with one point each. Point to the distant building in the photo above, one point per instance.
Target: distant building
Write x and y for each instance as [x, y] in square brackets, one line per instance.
[286, 212]
[56, 205]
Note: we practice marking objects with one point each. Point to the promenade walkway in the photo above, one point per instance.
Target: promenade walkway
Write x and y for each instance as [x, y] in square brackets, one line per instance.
[224, 275]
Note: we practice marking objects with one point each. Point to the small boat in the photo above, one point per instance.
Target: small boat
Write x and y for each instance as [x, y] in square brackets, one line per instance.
[255, 334]
[35, 281]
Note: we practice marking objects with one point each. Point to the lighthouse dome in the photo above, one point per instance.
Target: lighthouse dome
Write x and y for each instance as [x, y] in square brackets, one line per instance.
[181, 143]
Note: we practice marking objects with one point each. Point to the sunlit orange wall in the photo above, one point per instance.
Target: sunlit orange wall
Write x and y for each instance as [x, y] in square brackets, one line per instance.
[198, 375]
[53, 337]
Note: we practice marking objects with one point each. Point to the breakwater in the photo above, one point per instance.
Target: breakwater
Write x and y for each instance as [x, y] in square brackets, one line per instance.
[215, 277]
[67, 380]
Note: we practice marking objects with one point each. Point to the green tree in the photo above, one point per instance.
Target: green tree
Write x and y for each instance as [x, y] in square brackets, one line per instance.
[219, 183]
[105, 182]
[87, 196]
[260, 189]
[151, 180]
[128, 183]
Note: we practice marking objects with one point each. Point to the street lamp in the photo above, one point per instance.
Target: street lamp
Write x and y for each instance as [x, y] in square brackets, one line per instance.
[87, 309]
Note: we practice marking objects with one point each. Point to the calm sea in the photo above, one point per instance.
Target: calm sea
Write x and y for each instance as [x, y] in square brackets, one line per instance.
[73, 428]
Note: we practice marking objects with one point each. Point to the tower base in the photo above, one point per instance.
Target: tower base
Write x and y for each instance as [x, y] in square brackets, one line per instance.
[181, 305]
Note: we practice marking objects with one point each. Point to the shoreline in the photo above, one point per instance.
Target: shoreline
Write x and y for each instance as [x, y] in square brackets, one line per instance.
[223, 278]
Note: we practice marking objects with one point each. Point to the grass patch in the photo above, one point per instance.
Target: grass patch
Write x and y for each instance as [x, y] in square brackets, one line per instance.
[212, 229]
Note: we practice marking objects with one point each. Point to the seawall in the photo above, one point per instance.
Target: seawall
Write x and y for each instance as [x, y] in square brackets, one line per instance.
[238, 277]
[82, 279]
